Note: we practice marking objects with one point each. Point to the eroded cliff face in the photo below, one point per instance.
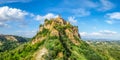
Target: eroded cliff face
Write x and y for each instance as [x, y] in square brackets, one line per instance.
[59, 36]
[55, 25]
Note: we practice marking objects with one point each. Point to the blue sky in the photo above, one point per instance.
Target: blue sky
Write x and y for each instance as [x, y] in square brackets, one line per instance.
[99, 19]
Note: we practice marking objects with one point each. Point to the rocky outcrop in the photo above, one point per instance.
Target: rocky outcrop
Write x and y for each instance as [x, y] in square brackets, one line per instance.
[54, 32]
[71, 36]
[39, 54]
[58, 23]
[59, 36]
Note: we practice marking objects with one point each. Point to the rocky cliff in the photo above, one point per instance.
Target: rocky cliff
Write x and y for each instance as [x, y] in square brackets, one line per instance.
[60, 41]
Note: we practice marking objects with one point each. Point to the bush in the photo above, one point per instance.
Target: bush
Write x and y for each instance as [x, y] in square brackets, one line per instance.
[40, 25]
[44, 32]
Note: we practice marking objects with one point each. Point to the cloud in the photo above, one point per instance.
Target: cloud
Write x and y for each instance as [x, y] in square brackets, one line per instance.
[84, 4]
[83, 33]
[99, 34]
[113, 17]
[82, 9]
[105, 5]
[13, 1]
[26, 33]
[8, 14]
[42, 18]
[90, 4]
[101, 5]
[80, 12]
[109, 21]
[3, 24]
[108, 32]
[77, 12]
[72, 20]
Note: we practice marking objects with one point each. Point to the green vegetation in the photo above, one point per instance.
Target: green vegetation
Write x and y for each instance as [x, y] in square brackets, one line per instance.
[89, 52]
[44, 32]
[58, 47]
[109, 49]
[83, 51]
[54, 47]
[7, 45]
[40, 25]
[24, 51]
[48, 21]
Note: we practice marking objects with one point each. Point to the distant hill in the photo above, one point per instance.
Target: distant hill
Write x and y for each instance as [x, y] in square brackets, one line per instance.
[9, 42]
[110, 49]
[12, 38]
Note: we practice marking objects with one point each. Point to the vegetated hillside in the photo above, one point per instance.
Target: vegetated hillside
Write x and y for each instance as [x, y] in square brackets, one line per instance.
[55, 40]
[110, 49]
[9, 42]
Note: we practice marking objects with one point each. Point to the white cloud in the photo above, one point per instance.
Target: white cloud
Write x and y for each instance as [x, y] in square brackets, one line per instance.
[85, 3]
[101, 5]
[90, 4]
[80, 12]
[99, 34]
[72, 20]
[108, 32]
[83, 33]
[3, 24]
[26, 33]
[47, 16]
[109, 21]
[96, 34]
[113, 17]
[84, 8]
[106, 5]
[7, 14]
[13, 1]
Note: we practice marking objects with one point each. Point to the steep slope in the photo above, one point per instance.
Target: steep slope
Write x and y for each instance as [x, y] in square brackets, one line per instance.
[55, 40]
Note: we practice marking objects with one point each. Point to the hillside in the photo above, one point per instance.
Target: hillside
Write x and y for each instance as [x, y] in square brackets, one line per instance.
[12, 38]
[55, 40]
[9, 42]
[110, 49]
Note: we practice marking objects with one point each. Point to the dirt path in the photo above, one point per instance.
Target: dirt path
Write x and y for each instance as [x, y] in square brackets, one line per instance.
[40, 53]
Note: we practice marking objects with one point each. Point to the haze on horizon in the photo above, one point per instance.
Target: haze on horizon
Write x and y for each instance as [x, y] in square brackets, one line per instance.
[96, 19]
